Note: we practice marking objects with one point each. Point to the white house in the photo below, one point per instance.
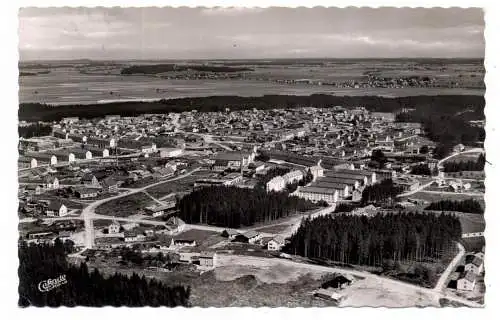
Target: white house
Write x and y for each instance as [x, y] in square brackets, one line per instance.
[114, 227]
[148, 149]
[466, 281]
[473, 264]
[252, 236]
[71, 157]
[56, 209]
[105, 153]
[276, 243]
[33, 163]
[208, 259]
[53, 160]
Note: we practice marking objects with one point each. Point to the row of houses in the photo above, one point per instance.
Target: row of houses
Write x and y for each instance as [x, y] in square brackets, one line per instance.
[334, 185]
[465, 276]
[253, 237]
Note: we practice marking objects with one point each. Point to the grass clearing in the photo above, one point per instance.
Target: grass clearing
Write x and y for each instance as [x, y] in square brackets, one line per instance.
[125, 206]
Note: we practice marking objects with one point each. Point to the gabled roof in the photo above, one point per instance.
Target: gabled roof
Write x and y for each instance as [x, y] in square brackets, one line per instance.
[55, 205]
[250, 234]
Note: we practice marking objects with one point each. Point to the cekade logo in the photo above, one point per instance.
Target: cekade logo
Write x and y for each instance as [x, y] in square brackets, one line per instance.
[49, 284]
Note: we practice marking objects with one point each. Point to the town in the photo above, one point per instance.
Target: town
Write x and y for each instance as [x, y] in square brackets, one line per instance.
[166, 189]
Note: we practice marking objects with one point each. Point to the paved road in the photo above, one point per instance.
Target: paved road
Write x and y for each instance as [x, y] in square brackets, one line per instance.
[419, 189]
[471, 194]
[88, 213]
[249, 260]
[475, 150]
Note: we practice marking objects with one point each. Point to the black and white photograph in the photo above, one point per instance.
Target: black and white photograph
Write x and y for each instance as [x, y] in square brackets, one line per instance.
[251, 157]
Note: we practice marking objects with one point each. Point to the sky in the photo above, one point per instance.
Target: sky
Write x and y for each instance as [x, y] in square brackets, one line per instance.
[249, 33]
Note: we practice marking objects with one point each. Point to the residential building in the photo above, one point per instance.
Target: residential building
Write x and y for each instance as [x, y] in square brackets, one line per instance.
[132, 236]
[466, 281]
[181, 243]
[85, 193]
[275, 184]
[293, 176]
[473, 264]
[56, 209]
[208, 259]
[114, 227]
[276, 243]
[157, 211]
[316, 194]
[109, 184]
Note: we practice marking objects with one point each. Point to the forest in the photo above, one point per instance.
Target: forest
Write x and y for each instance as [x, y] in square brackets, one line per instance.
[234, 207]
[84, 287]
[448, 126]
[362, 240]
[161, 68]
[35, 130]
[442, 104]
[471, 165]
[385, 191]
[468, 206]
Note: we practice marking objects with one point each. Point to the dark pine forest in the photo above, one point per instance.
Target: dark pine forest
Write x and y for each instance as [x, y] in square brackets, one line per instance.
[371, 241]
[236, 207]
[85, 287]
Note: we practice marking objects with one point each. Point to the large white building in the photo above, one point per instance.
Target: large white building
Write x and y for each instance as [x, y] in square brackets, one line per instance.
[316, 194]
[293, 176]
[275, 184]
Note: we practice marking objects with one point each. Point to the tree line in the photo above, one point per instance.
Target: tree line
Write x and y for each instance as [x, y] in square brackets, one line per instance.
[447, 126]
[35, 130]
[161, 68]
[385, 191]
[84, 287]
[446, 104]
[470, 165]
[234, 207]
[467, 205]
[371, 241]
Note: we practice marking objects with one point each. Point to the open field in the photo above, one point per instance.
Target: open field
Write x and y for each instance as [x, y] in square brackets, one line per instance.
[180, 185]
[433, 197]
[125, 206]
[67, 85]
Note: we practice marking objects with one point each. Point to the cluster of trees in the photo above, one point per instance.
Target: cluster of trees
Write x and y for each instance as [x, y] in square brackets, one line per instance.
[385, 191]
[468, 205]
[378, 159]
[161, 68]
[371, 241]
[448, 126]
[424, 104]
[421, 169]
[478, 165]
[234, 207]
[35, 130]
[84, 288]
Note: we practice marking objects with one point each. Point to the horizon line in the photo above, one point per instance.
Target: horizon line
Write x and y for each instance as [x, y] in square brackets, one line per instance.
[246, 59]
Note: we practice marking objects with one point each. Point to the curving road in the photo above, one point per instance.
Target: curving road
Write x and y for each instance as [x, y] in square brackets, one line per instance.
[88, 213]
